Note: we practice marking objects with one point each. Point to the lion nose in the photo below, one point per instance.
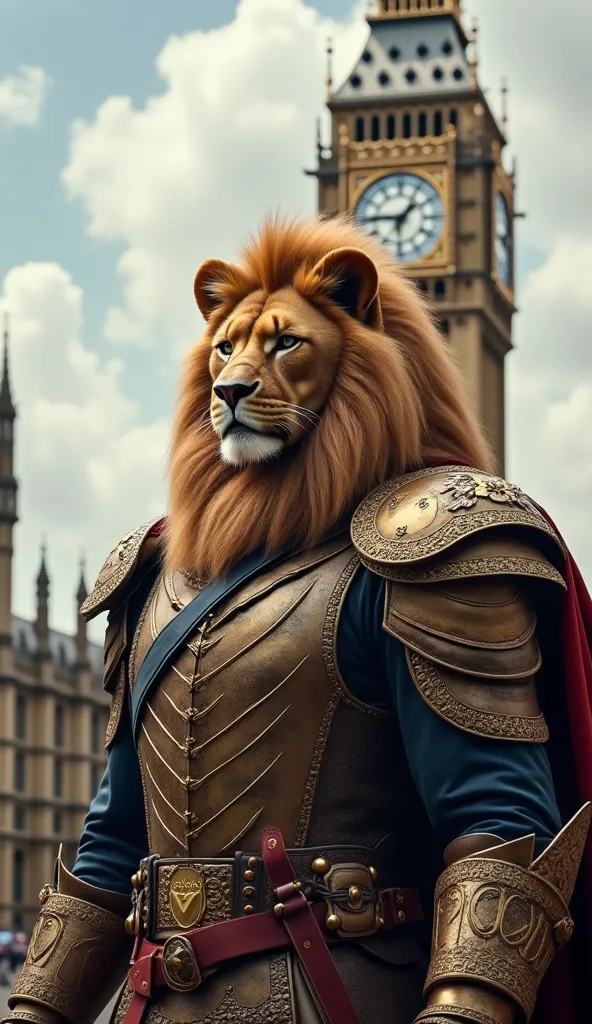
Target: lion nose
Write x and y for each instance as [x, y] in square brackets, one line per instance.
[233, 392]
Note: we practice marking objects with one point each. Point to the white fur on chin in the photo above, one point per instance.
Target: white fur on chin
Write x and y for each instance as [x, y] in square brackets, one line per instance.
[242, 448]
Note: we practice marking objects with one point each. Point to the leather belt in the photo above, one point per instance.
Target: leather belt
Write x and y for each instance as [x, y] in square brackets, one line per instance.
[295, 921]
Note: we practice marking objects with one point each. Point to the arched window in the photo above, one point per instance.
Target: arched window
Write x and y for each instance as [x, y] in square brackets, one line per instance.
[20, 717]
[407, 126]
[438, 122]
[423, 124]
[391, 128]
[375, 128]
[58, 778]
[360, 130]
[453, 117]
[59, 729]
[440, 290]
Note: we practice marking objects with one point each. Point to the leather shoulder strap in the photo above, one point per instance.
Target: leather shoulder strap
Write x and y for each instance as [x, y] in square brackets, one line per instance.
[173, 636]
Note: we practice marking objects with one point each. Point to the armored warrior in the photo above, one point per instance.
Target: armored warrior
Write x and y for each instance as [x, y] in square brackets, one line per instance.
[342, 673]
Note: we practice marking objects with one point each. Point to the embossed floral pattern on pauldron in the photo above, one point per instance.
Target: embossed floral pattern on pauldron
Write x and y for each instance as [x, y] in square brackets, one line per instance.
[467, 488]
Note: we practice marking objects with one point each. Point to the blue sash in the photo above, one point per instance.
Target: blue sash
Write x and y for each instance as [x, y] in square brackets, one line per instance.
[171, 639]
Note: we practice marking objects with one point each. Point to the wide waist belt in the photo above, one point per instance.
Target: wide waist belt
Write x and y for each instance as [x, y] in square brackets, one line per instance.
[323, 903]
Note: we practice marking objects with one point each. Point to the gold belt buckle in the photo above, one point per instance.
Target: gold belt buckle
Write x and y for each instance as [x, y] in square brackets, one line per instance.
[179, 966]
[353, 912]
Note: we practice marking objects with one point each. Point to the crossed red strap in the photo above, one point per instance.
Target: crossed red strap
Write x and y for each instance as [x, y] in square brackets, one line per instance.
[300, 925]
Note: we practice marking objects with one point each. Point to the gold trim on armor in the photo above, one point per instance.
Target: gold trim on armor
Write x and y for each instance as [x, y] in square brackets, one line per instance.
[498, 924]
[419, 515]
[116, 570]
[493, 724]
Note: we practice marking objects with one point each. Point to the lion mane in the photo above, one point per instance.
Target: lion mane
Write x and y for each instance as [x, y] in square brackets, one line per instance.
[396, 403]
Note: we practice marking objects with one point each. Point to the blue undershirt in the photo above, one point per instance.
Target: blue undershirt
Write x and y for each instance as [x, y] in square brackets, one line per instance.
[467, 784]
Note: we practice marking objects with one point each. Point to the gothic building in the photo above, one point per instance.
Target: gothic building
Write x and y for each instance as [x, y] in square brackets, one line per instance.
[416, 155]
[53, 717]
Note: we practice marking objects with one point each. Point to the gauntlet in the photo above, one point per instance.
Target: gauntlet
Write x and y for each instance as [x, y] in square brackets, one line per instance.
[78, 954]
[499, 919]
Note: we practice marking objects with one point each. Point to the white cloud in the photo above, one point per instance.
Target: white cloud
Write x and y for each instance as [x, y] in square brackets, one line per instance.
[22, 96]
[190, 174]
[192, 171]
[88, 472]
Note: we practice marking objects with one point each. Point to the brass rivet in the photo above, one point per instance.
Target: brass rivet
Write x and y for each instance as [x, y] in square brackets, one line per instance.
[297, 886]
[248, 890]
[253, 862]
[400, 899]
[249, 876]
[144, 986]
[136, 974]
[248, 909]
[278, 909]
[401, 915]
[333, 922]
[307, 944]
[320, 866]
[355, 896]
[271, 843]
[373, 874]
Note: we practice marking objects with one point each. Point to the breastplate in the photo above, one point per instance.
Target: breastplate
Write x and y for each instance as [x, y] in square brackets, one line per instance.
[232, 738]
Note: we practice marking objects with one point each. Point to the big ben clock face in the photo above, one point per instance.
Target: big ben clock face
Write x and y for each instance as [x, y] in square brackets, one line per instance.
[503, 241]
[405, 212]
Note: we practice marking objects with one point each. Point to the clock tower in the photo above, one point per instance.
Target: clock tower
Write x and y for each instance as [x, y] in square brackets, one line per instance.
[416, 156]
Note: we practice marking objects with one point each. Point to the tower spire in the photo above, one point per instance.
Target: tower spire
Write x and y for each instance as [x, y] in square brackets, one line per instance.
[82, 592]
[329, 68]
[505, 91]
[42, 620]
[7, 409]
[475, 56]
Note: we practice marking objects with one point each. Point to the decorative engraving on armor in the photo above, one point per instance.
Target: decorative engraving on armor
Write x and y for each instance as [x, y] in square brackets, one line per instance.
[46, 935]
[187, 897]
[495, 923]
[116, 570]
[560, 862]
[116, 707]
[410, 531]
[25, 1015]
[217, 895]
[466, 488]
[134, 648]
[432, 1015]
[179, 965]
[276, 1008]
[497, 565]
[88, 944]
[434, 691]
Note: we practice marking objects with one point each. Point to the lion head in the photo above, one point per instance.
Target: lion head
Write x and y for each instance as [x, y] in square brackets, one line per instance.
[320, 374]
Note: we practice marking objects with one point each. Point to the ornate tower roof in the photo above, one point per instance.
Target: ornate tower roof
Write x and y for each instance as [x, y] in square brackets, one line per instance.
[43, 578]
[82, 592]
[7, 409]
[416, 48]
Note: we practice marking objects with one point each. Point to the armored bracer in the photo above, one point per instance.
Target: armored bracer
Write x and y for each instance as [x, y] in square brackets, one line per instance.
[499, 919]
[78, 954]
[468, 560]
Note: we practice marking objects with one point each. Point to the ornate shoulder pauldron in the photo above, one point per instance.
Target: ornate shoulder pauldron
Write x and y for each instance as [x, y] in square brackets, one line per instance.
[418, 517]
[469, 559]
[119, 567]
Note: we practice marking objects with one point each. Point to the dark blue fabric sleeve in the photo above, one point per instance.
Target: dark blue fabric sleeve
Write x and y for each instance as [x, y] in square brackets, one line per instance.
[467, 783]
[114, 839]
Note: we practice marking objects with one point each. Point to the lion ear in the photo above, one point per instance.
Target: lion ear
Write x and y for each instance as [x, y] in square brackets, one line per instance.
[351, 281]
[214, 283]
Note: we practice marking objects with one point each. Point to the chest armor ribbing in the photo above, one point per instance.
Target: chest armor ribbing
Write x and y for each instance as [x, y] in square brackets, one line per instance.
[232, 738]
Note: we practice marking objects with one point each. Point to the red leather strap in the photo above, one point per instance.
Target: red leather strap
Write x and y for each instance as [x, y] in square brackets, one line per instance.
[305, 933]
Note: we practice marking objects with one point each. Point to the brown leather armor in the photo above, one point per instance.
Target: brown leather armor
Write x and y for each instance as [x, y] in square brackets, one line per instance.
[252, 726]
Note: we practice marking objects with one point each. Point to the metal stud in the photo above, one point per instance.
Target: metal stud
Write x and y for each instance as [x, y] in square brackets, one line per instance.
[373, 874]
[253, 862]
[355, 896]
[333, 922]
[320, 866]
[248, 909]
[401, 915]
[249, 876]
[248, 890]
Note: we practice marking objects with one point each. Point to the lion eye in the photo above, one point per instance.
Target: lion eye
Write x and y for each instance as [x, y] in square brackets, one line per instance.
[224, 349]
[287, 342]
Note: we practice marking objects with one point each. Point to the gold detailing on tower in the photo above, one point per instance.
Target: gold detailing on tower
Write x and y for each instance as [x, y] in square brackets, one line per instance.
[499, 919]
[384, 10]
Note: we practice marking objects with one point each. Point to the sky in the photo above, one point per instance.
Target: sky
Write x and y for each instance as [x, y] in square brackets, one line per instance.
[139, 138]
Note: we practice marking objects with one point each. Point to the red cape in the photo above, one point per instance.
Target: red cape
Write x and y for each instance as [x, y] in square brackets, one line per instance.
[565, 990]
